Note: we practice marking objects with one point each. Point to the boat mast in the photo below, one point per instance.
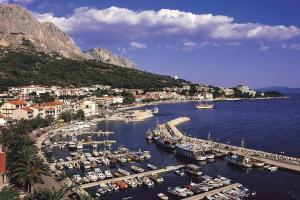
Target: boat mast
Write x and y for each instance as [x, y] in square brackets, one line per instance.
[243, 143]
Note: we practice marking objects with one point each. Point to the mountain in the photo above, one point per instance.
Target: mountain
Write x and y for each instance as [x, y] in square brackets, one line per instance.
[282, 89]
[21, 31]
[107, 56]
[18, 68]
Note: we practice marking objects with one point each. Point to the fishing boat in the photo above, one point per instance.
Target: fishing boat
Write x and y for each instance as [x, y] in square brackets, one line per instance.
[179, 172]
[239, 160]
[147, 181]
[165, 142]
[257, 163]
[204, 106]
[190, 151]
[162, 196]
[156, 178]
[124, 172]
[149, 135]
[193, 170]
[108, 174]
[152, 166]
[122, 185]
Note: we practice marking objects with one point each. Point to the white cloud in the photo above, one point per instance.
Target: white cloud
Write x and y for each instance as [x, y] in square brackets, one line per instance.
[263, 47]
[294, 46]
[137, 45]
[120, 24]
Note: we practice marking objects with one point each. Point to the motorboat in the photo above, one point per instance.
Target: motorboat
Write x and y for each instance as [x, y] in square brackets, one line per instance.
[152, 166]
[162, 196]
[239, 160]
[108, 174]
[147, 181]
[177, 191]
[137, 169]
[77, 178]
[92, 176]
[179, 172]
[193, 170]
[156, 178]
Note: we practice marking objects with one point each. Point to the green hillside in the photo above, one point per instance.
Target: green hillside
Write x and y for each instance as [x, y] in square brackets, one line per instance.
[23, 68]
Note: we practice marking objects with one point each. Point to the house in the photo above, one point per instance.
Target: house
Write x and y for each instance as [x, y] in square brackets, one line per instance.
[228, 91]
[53, 109]
[243, 88]
[24, 113]
[89, 108]
[208, 96]
[8, 107]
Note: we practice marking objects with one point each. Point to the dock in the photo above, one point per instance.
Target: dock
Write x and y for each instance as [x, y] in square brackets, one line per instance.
[169, 129]
[148, 173]
[213, 192]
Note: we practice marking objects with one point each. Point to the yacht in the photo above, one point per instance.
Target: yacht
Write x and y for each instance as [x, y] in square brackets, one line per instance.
[147, 181]
[165, 142]
[178, 191]
[71, 145]
[77, 178]
[92, 176]
[87, 166]
[79, 146]
[108, 174]
[147, 155]
[162, 196]
[156, 178]
[239, 160]
[190, 151]
[193, 170]
[99, 173]
[124, 172]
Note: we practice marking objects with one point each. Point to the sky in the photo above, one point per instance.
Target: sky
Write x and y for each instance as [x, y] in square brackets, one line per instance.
[217, 42]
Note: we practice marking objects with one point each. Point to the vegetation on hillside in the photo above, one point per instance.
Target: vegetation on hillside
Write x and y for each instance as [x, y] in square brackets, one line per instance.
[23, 68]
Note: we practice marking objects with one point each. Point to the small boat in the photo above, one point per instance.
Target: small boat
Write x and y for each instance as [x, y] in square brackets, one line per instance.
[79, 146]
[204, 106]
[122, 160]
[147, 181]
[108, 174]
[124, 172]
[193, 170]
[85, 179]
[137, 169]
[87, 166]
[210, 156]
[179, 172]
[152, 166]
[113, 186]
[155, 110]
[149, 134]
[122, 185]
[77, 178]
[147, 155]
[162, 196]
[92, 176]
[156, 178]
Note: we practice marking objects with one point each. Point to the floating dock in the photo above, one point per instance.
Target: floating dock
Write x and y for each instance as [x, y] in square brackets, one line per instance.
[213, 192]
[169, 129]
[148, 173]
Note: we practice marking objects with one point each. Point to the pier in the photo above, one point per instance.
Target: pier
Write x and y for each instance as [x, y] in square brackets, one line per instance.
[90, 143]
[213, 192]
[148, 173]
[169, 129]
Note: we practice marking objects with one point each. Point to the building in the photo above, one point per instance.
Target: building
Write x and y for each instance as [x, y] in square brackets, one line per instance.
[228, 91]
[53, 109]
[243, 88]
[208, 96]
[8, 107]
[2, 120]
[24, 113]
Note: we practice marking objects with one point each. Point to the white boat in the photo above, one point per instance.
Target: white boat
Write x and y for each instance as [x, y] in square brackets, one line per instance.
[92, 176]
[204, 106]
[147, 181]
[210, 156]
[178, 191]
[152, 166]
[155, 110]
[99, 173]
[124, 172]
[79, 146]
[190, 151]
[162, 196]
[77, 178]
[108, 174]
[179, 172]
[239, 160]
[147, 154]
[87, 166]
[137, 169]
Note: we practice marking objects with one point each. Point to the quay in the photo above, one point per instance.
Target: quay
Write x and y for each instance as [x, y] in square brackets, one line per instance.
[213, 192]
[148, 173]
[92, 142]
[169, 129]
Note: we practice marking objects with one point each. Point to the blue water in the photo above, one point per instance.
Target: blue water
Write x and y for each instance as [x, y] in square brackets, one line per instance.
[269, 125]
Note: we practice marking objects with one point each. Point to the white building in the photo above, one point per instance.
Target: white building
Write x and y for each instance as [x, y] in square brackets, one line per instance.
[208, 96]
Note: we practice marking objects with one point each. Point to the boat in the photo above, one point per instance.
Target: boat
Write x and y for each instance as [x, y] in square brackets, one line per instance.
[162, 196]
[257, 163]
[92, 176]
[156, 178]
[79, 146]
[193, 170]
[99, 173]
[108, 174]
[136, 169]
[204, 106]
[86, 166]
[72, 145]
[124, 172]
[179, 172]
[239, 160]
[155, 110]
[122, 160]
[190, 151]
[152, 166]
[149, 134]
[77, 178]
[147, 155]
[122, 185]
[177, 191]
[113, 186]
[85, 179]
[147, 181]
[165, 142]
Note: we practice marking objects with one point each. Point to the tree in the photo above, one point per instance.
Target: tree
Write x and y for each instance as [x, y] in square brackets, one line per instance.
[128, 98]
[9, 193]
[54, 194]
[67, 116]
[28, 168]
[193, 90]
[80, 115]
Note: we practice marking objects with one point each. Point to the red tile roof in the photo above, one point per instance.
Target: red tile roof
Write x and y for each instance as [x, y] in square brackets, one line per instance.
[2, 116]
[54, 103]
[27, 109]
[18, 102]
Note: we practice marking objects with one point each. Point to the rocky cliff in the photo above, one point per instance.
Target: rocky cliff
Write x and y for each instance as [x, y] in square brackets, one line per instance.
[106, 56]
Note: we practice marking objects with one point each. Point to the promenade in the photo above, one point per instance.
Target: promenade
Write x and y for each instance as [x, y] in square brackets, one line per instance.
[281, 161]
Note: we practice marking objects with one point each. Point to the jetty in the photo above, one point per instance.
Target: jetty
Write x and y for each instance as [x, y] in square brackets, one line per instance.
[169, 129]
[213, 192]
[148, 173]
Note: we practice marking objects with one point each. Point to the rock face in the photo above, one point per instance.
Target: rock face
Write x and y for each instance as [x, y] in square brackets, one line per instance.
[19, 30]
[107, 56]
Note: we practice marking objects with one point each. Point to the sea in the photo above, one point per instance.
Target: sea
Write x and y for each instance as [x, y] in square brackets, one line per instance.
[271, 125]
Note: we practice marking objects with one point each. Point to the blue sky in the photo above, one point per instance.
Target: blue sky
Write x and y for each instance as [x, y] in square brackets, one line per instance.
[225, 43]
